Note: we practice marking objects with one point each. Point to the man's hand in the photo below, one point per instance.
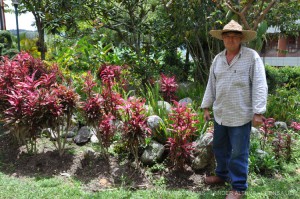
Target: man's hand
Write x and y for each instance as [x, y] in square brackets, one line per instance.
[258, 120]
[206, 114]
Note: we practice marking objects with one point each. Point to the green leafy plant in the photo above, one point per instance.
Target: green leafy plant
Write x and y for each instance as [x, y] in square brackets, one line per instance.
[282, 77]
[284, 105]
[81, 54]
[7, 44]
[270, 151]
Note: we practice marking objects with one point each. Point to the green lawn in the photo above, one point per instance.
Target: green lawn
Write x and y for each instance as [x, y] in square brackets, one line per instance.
[284, 186]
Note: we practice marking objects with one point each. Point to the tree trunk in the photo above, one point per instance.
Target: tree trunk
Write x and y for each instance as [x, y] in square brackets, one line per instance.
[41, 41]
[186, 65]
[41, 38]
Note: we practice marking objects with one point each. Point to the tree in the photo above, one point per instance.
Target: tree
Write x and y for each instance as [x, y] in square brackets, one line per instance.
[259, 14]
[52, 16]
[37, 8]
[129, 19]
[186, 24]
[250, 12]
[284, 15]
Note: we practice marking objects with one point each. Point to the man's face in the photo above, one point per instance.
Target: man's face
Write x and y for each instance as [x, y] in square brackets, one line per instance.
[232, 40]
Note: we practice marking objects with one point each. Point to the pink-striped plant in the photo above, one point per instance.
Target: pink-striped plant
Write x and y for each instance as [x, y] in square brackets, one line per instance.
[35, 100]
[168, 87]
[295, 126]
[182, 128]
[135, 129]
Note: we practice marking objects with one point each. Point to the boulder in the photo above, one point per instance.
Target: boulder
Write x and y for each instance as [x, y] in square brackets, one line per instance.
[281, 125]
[186, 101]
[155, 123]
[84, 135]
[153, 153]
[255, 132]
[94, 139]
[164, 106]
[203, 153]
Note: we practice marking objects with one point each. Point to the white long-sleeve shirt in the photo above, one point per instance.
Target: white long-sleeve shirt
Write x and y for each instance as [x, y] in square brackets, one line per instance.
[236, 91]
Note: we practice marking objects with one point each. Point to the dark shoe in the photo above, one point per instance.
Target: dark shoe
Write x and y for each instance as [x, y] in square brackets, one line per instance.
[234, 195]
[213, 180]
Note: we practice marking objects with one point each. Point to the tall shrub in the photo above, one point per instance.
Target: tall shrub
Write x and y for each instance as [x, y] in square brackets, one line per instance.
[36, 100]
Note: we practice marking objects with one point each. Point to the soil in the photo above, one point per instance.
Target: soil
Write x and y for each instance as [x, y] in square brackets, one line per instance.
[92, 169]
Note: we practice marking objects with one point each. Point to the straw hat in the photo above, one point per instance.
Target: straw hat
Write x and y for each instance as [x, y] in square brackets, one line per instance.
[234, 26]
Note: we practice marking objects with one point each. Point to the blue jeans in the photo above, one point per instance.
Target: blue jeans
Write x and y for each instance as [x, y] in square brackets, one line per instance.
[231, 149]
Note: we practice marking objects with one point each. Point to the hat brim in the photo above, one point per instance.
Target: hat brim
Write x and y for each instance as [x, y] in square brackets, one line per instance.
[248, 35]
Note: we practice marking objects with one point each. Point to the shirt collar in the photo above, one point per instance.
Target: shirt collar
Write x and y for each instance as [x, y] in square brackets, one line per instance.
[223, 53]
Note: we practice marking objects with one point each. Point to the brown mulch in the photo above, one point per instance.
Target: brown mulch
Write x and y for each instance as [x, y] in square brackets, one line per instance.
[94, 171]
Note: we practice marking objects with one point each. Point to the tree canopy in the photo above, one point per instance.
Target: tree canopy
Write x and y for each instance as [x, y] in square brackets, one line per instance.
[150, 26]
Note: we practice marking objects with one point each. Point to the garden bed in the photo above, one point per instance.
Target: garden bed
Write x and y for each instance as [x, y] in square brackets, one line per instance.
[90, 168]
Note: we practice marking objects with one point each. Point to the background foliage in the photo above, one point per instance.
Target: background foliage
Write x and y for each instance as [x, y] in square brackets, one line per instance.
[159, 35]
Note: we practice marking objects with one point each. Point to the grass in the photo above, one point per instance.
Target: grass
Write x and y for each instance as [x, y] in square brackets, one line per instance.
[19, 188]
[284, 186]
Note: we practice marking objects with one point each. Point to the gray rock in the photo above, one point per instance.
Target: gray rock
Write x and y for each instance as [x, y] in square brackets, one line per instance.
[83, 136]
[261, 153]
[154, 123]
[153, 153]
[204, 140]
[94, 139]
[203, 153]
[186, 101]
[281, 125]
[164, 106]
[70, 134]
[255, 132]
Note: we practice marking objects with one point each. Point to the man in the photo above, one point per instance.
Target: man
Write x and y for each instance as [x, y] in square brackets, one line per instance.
[237, 92]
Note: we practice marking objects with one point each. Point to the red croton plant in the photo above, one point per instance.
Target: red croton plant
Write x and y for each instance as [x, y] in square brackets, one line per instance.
[135, 129]
[182, 129]
[100, 109]
[168, 87]
[33, 100]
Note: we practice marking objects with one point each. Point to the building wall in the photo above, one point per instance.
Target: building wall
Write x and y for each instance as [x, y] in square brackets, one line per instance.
[284, 51]
[281, 61]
